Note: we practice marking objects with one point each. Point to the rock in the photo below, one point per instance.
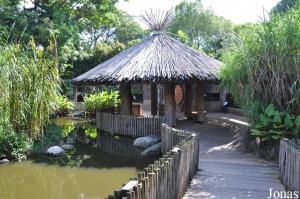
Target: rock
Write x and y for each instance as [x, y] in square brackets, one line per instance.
[70, 140]
[22, 158]
[56, 151]
[145, 142]
[79, 114]
[4, 161]
[3, 157]
[67, 146]
[152, 150]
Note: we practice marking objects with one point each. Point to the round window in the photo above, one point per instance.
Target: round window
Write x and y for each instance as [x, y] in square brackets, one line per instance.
[178, 94]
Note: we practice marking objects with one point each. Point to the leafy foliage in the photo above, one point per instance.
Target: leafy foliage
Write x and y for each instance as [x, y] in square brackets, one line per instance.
[274, 125]
[101, 53]
[78, 25]
[284, 5]
[104, 99]
[29, 83]
[263, 66]
[201, 28]
[14, 145]
[63, 106]
[66, 88]
[90, 130]
[53, 134]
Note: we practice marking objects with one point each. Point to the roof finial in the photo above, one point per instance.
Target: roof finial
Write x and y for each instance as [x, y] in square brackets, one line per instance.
[159, 20]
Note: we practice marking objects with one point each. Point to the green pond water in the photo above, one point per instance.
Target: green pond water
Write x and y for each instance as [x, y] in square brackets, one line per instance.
[99, 164]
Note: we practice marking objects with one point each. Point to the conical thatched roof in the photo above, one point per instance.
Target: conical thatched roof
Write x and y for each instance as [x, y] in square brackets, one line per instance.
[158, 58]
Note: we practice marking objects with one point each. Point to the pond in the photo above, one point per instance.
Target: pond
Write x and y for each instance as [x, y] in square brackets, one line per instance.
[99, 164]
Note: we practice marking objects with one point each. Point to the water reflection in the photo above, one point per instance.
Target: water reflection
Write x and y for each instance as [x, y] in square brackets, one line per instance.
[35, 181]
[95, 149]
[98, 164]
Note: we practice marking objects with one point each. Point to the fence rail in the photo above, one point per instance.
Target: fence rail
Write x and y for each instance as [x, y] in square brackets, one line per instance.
[289, 164]
[170, 137]
[168, 177]
[128, 124]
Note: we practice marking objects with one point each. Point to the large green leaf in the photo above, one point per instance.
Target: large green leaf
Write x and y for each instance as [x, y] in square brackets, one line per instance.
[264, 119]
[270, 110]
[276, 137]
[276, 132]
[261, 125]
[277, 117]
[288, 122]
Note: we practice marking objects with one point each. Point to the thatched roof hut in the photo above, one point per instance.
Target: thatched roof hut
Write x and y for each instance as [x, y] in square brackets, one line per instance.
[157, 59]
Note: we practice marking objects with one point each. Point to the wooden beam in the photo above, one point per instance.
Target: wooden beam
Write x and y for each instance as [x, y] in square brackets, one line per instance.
[153, 99]
[188, 100]
[200, 87]
[126, 99]
[75, 90]
[170, 105]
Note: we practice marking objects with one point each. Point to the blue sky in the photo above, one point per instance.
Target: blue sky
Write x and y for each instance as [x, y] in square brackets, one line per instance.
[238, 11]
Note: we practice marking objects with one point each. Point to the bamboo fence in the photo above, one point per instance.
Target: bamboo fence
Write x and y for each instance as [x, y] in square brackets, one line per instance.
[129, 125]
[166, 178]
[289, 164]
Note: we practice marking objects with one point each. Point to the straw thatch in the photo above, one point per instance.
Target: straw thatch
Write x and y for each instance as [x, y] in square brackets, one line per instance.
[159, 58]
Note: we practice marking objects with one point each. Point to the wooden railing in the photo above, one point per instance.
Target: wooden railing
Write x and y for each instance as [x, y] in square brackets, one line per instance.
[170, 137]
[289, 164]
[168, 177]
[128, 125]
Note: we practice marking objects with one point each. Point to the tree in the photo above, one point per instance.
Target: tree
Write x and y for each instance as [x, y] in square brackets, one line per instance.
[101, 53]
[67, 19]
[128, 31]
[284, 5]
[201, 27]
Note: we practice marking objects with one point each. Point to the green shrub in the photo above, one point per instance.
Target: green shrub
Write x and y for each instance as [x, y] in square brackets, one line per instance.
[274, 125]
[102, 100]
[29, 86]
[63, 106]
[52, 136]
[14, 145]
[263, 66]
[67, 88]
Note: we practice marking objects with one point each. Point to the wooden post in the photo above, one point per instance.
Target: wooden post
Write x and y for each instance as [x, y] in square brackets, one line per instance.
[200, 101]
[170, 105]
[149, 99]
[126, 99]
[188, 100]
[75, 90]
[146, 99]
[153, 99]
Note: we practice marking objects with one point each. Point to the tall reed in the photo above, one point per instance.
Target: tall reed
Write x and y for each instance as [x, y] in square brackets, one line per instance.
[28, 86]
[264, 67]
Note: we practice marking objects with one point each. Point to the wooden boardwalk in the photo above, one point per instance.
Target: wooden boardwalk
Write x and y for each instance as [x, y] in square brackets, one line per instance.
[225, 171]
